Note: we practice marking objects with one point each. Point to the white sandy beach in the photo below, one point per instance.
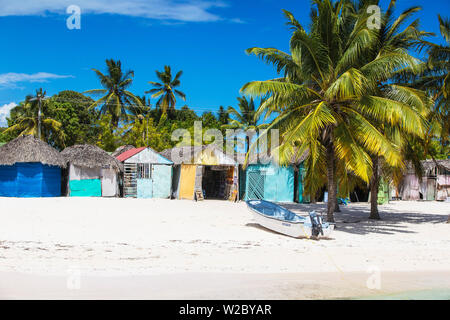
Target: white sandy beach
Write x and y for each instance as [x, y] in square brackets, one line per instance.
[136, 248]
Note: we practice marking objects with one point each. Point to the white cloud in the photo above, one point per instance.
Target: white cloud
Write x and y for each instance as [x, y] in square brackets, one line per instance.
[11, 79]
[4, 112]
[178, 10]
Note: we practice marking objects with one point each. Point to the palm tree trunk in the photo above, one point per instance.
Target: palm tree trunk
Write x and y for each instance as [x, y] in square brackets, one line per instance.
[336, 208]
[247, 141]
[331, 205]
[374, 182]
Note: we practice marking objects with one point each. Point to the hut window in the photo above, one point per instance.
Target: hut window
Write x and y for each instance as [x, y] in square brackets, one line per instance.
[144, 171]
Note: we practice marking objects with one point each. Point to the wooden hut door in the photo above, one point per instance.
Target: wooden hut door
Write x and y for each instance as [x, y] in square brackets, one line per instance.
[431, 189]
[187, 181]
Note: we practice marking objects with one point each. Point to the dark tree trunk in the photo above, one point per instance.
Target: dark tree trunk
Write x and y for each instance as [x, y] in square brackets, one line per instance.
[332, 185]
[374, 183]
[336, 208]
[247, 142]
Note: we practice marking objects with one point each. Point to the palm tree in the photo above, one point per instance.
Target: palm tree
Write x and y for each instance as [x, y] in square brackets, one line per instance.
[116, 100]
[31, 119]
[435, 79]
[166, 89]
[246, 118]
[139, 112]
[391, 38]
[325, 101]
[223, 116]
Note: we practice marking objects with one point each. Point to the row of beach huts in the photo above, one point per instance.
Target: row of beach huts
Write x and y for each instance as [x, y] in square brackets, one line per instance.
[30, 167]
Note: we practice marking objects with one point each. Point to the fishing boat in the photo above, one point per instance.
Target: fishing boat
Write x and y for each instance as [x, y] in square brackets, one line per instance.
[282, 220]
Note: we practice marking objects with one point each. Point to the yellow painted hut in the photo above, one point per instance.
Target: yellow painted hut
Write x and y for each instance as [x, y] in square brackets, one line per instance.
[203, 171]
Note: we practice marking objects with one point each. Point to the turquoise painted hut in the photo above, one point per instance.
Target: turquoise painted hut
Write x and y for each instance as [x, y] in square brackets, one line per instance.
[92, 172]
[264, 179]
[147, 174]
[29, 167]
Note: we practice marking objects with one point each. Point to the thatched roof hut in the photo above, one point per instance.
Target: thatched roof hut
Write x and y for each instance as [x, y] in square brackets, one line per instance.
[430, 165]
[30, 167]
[92, 172]
[28, 148]
[90, 156]
[434, 184]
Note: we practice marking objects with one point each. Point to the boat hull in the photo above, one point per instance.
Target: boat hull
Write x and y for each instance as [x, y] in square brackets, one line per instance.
[300, 227]
[295, 230]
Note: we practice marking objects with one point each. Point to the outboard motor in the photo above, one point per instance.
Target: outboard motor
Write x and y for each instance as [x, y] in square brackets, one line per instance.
[316, 222]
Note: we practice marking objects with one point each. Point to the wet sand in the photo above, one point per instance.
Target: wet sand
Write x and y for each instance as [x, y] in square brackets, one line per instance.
[225, 286]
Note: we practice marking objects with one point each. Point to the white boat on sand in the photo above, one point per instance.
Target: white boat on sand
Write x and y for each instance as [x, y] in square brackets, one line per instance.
[282, 220]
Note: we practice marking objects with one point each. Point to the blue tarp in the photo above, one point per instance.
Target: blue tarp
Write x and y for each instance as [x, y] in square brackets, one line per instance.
[28, 180]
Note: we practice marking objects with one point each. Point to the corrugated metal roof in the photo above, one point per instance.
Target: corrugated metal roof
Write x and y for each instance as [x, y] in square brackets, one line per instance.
[201, 155]
[128, 154]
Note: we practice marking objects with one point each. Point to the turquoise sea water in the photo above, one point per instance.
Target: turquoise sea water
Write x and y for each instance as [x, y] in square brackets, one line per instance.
[433, 294]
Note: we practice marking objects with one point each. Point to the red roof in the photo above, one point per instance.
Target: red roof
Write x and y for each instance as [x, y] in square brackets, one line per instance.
[128, 154]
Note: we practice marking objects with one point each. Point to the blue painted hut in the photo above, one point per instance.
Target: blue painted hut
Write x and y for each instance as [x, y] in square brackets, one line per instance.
[147, 174]
[29, 167]
[263, 178]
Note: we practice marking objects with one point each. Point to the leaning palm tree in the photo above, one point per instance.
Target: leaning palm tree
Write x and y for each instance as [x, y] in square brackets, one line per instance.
[165, 89]
[32, 117]
[116, 100]
[324, 99]
[246, 118]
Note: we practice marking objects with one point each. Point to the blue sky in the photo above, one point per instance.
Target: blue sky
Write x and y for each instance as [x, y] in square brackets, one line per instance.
[204, 38]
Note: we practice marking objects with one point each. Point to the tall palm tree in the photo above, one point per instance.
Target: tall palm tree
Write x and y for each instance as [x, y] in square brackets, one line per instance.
[324, 99]
[246, 118]
[31, 117]
[392, 38]
[116, 100]
[165, 89]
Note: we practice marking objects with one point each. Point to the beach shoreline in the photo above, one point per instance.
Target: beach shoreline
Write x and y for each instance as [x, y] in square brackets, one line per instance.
[204, 286]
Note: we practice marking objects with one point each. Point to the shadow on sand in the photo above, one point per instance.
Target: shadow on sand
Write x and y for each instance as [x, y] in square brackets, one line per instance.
[354, 217]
